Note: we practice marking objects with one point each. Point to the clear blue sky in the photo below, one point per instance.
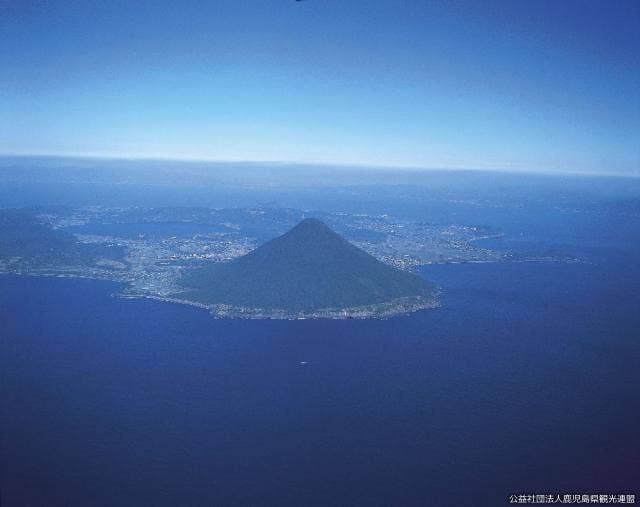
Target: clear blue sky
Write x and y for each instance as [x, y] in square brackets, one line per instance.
[523, 85]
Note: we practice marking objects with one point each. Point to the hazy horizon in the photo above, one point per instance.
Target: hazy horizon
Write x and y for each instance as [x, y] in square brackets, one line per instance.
[315, 164]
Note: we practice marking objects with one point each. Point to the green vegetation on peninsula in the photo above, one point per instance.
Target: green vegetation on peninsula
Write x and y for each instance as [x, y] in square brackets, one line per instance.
[309, 271]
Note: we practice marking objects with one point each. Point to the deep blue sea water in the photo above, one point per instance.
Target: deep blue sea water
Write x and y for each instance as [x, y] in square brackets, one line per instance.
[525, 381]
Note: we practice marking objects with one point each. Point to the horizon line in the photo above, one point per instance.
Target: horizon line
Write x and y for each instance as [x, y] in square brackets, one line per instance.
[329, 164]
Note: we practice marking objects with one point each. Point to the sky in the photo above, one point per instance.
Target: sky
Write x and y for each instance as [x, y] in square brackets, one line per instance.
[512, 85]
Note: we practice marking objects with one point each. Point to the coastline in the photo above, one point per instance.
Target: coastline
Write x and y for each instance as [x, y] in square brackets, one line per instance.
[381, 311]
[385, 310]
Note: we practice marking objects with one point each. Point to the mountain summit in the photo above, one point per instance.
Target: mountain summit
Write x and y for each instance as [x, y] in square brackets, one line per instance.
[310, 271]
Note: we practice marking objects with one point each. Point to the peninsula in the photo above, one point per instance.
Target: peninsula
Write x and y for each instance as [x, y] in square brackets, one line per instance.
[308, 272]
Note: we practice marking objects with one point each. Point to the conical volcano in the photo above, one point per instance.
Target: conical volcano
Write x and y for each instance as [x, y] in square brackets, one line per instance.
[308, 269]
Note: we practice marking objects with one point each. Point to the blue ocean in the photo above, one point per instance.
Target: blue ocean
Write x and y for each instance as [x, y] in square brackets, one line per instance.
[524, 381]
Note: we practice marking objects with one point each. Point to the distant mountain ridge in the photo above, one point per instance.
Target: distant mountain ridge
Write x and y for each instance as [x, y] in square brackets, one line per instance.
[309, 271]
